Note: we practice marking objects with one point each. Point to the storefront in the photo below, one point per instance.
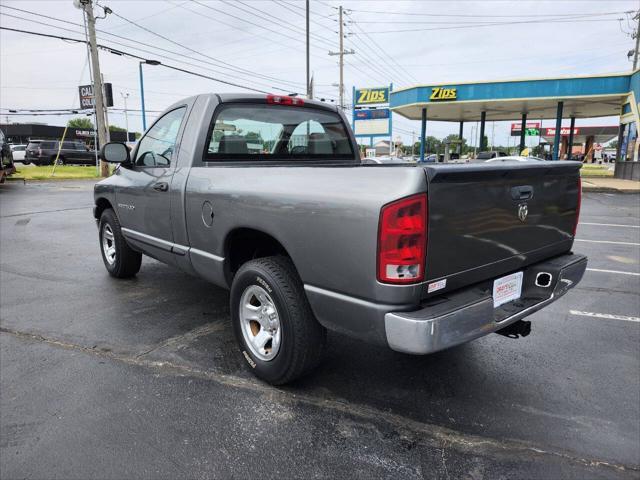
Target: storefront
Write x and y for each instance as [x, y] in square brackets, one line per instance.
[22, 133]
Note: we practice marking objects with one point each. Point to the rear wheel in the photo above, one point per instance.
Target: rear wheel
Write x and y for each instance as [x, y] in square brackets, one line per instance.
[120, 260]
[274, 326]
[61, 160]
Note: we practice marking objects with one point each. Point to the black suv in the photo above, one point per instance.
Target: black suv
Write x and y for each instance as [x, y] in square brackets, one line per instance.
[44, 152]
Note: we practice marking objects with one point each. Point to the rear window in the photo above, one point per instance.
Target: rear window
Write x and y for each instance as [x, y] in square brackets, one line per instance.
[485, 155]
[18, 148]
[33, 145]
[276, 132]
[48, 145]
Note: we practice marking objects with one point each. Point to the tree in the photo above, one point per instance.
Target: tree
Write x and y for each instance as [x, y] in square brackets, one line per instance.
[115, 128]
[80, 122]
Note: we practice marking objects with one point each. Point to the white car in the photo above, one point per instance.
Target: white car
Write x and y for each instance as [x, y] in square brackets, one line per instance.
[18, 152]
[514, 158]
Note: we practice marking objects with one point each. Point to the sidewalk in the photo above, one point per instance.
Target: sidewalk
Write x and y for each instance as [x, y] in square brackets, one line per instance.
[611, 185]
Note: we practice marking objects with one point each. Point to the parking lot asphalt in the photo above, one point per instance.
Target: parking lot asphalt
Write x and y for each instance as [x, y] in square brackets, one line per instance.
[141, 378]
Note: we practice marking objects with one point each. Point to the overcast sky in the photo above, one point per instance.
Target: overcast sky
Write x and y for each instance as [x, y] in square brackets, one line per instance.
[261, 44]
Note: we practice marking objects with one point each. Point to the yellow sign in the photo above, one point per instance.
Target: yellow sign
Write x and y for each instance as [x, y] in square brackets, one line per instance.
[366, 96]
[439, 93]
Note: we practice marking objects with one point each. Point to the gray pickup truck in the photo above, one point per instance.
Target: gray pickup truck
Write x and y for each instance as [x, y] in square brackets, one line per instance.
[267, 196]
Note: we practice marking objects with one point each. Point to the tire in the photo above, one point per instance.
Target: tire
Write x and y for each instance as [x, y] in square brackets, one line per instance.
[125, 262]
[61, 160]
[299, 343]
[24, 162]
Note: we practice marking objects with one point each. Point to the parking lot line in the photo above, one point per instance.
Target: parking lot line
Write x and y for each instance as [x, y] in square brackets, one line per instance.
[617, 272]
[609, 225]
[633, 244]
[606, 316]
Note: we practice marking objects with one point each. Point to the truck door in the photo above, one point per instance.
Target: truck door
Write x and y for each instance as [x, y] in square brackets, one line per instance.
[143, 197]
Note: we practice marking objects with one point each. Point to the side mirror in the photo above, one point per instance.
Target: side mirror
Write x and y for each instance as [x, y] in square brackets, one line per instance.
[115, 152]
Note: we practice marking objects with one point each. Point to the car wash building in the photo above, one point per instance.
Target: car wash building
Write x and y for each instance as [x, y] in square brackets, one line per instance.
[562, 99]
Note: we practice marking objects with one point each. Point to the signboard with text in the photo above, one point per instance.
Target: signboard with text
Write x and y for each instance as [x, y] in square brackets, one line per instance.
[86, 97]
[515, 127]
[550, 132]
[371, 96]
[375, 122]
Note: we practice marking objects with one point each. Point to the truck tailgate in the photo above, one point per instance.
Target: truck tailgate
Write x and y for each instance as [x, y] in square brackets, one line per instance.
[489, 219]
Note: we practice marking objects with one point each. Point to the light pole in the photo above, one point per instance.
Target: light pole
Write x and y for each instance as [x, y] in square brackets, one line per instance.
[144, 116]
[126, 114]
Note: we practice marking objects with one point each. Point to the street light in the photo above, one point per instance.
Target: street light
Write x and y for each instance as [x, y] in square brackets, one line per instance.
[144, 117]
[126, 115]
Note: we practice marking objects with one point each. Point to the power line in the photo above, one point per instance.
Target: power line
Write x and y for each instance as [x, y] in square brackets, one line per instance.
[186, 47]
[461, 15]
[288, 25]
[237, 70]
[131, 55]
[480, 25]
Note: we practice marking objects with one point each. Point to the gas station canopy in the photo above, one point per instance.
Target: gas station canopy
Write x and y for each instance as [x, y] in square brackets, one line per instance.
[583, 97]
[601, 95]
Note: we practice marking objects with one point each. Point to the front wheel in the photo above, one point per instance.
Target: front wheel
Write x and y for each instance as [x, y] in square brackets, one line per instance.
[274, 326]
[119, 258]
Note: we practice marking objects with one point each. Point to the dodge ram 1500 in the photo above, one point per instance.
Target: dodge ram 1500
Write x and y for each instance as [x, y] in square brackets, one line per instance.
[267, 196]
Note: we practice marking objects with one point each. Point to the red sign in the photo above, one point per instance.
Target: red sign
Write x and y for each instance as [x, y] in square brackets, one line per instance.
[515, 127]
[550, 132]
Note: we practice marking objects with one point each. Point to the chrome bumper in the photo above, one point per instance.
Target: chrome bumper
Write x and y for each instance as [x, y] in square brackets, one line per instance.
[468, 314]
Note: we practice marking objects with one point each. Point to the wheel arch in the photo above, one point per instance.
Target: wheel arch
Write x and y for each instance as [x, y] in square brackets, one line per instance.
[244, 244]
[102, 204]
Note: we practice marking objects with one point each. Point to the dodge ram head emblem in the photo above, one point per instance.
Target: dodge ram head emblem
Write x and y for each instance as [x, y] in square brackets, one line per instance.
[523, 211]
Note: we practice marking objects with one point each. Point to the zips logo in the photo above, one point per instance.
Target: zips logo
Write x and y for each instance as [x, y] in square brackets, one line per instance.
[439, 93]
[367, 96]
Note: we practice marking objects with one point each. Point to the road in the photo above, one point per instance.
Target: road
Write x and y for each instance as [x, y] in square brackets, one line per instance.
[141, 378]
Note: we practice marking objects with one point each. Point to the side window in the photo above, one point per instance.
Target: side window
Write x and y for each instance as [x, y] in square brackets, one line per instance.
[157, 146]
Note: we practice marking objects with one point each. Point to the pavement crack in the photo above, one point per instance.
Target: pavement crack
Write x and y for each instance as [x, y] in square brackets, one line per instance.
[432, 435]
[185, 338]
[46, 211]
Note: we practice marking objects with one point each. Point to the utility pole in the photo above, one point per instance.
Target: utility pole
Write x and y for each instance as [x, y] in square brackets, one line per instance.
[309, 94]
[635, 53]
[341, 53]
[97, 81]
[126, 115]
[341, 58]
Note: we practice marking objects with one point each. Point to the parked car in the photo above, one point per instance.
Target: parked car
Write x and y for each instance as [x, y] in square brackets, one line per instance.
[418, 258]
[433, 158]
[384, 159]
[6, 158]
[18, 152]
[490, 155]
[45, 152]
[514, 158]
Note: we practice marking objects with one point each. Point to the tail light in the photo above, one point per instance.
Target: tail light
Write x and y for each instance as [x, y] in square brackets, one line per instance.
[402, 240]
[575, 226]
[39, 152]
[284, 100]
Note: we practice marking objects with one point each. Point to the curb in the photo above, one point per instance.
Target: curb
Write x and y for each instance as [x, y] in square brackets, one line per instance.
[596, 189]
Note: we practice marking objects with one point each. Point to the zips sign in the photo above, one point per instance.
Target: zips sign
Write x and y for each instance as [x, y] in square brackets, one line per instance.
[368, 96]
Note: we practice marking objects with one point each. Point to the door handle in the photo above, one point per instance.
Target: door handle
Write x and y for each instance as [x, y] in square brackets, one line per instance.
[161, 186]
[524, 192]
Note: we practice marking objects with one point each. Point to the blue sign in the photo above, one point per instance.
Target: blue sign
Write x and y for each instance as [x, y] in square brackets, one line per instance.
[371, 114]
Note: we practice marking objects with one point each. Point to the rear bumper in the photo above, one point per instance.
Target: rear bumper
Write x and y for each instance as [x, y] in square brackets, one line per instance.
[467, 314]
